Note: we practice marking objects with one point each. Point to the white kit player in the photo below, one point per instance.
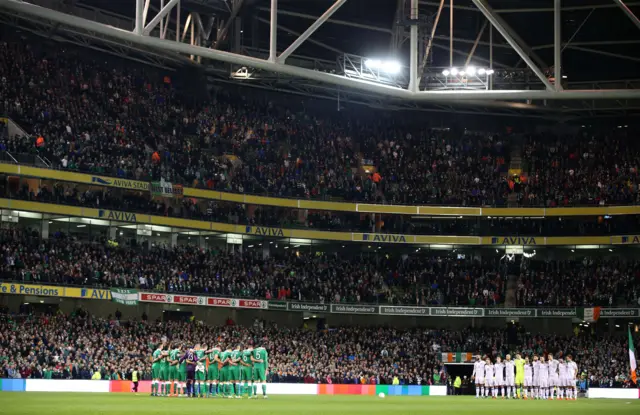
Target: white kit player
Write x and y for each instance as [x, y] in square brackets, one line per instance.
[536, 377]
[572, 373]
[562, 376]
[528, 378]
[543, 379]
[489, 381]
[510, 376]
[499, 377]
[554, 380]
[478, 376]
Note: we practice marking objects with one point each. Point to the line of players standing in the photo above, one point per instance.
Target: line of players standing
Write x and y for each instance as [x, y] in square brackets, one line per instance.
[521, 378]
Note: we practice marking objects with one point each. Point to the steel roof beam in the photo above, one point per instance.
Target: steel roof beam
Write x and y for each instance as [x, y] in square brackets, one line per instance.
[333, 21]
[512, 38]
[222, 34]
[310, 30]
[372, 87]
[590, 43]
[293, 32]
[161, 14]
[628, 12]
[534, 9]
[605, 53]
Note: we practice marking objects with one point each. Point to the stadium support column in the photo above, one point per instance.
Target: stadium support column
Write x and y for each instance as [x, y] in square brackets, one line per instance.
[557, 43]
[174, 239]
[139, 19]
[491, 55]
[44, 229]
[273, 34]
[451, 34]
[413, 55]
[113, 232]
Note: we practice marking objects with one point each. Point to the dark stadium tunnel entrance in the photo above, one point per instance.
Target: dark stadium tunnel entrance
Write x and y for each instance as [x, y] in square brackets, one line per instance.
[464, 371]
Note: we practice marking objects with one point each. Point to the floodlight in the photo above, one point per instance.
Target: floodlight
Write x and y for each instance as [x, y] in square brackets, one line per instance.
[471, 70]
[390, 67]
[490, 71]
[454, 71]
[446, 72]
[481, 71]
[462, 73]
[372, 63]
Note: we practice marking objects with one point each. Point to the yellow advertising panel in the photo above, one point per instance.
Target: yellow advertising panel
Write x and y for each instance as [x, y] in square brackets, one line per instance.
[88, 293]
[263, 231]
[30, 289]
[68, 176]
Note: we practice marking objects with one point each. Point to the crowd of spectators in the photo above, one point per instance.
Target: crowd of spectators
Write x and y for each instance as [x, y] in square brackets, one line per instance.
[297, 274]
[104, 116]
[278, 217]
[294, 275]
[581, 169]
[574, 282]
[74, 347]
[128, 121]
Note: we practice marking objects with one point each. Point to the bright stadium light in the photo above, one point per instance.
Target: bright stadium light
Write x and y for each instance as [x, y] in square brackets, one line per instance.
[390, 67]
[454, 71]
[489, 72]
[446, 72]
[481, 71]
[471, 70]
[373, 63]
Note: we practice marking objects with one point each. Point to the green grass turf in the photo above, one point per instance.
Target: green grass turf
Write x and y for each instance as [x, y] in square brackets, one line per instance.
[94, 403]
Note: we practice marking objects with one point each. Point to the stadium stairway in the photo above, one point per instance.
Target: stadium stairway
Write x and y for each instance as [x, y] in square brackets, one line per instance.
[515, 165]
[510, 295]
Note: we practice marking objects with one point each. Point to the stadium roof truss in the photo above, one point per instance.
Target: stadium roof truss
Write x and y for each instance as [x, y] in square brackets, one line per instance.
[208, 33]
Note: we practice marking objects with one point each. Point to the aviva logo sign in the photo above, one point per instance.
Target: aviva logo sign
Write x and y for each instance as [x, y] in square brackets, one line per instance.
[263, 231]
[115, 215]
[630, 239]
[383, 238]
[122, 183]
[513, 240]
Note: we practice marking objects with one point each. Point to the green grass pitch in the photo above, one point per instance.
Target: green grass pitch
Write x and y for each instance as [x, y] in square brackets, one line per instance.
[34, 403]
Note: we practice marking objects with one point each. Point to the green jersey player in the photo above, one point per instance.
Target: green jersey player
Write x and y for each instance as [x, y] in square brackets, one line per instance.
[260, 359]
[213, 372]
[155, 369]
[174, 362]
[182, 377]
[246, 369]
[224, 374]
[234, 370]
[164, 372]
[200, 370]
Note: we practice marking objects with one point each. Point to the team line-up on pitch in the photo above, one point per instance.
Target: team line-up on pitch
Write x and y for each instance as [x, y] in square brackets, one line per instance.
[521, 378]
[201, 372]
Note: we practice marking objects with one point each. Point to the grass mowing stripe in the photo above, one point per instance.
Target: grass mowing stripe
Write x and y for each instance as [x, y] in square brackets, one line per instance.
[42, 403]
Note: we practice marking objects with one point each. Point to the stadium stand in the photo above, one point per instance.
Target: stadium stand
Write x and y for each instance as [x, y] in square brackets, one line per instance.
[72, 347]
[132, 124]
[299, 276]
[87, 114]
[417, 279]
